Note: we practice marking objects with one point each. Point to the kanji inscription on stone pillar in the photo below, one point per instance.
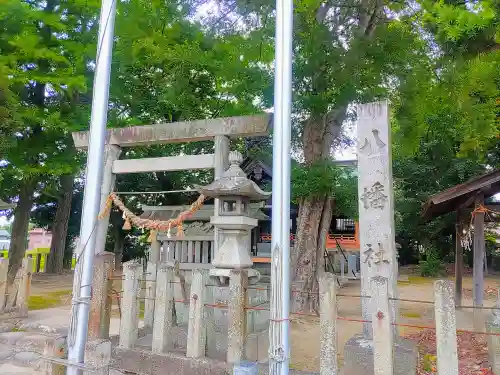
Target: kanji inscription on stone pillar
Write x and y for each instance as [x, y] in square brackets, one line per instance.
[376, 202]
[374, 197]
[375, 255]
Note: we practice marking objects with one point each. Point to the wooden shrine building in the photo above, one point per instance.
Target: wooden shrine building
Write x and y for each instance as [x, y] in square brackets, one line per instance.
[343, 231]
[473, 204]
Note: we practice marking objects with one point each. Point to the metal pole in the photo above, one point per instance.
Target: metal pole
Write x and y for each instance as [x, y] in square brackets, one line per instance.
[279, 360]
[93, 179]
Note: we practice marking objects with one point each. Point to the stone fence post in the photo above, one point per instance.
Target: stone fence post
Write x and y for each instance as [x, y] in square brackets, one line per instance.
[149, 303]
[25, 286]
[493, 326]
[129, 323]
[238, 281]
[4, 267]
[446, 328]
[196, 330]
[208, 313]
[164, 308]
[100, 303]
[383, 357]
[328, 321]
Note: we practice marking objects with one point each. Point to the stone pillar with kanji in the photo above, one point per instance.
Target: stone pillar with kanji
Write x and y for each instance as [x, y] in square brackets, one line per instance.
[376, 203]
[377, 251]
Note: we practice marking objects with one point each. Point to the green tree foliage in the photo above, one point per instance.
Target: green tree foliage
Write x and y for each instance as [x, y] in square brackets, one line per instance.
[457, 92]
[44, 65]
[463, 28]
[326, 179]
[347, 52]
[436, 60]
[459, 102]
[433, 167]
[446, 119]
[165, 68]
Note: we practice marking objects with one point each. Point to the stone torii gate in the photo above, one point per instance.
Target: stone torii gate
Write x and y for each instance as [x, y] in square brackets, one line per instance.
[220, 130]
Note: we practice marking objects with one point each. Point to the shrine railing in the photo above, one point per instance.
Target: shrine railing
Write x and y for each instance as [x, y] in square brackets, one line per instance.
[347, 241]
[189, 251]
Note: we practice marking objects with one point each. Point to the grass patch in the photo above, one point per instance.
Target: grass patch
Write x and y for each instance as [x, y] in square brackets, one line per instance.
[142, 306]
[46, 301]
[61, 293]
[17, 329]
[411, 314]
[429, 363]
[420, 280]
[42, 302]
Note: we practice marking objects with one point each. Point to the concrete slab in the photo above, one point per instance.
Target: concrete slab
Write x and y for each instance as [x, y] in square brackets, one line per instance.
[11, 338]
[35, 342]
[30, 359]
[6, 354]
[10, 369]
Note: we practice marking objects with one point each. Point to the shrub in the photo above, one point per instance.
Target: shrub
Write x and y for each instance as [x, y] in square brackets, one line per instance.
[432, 266]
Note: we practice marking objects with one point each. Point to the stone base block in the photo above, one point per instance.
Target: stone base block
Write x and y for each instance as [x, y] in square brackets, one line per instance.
[142, 362]
[358, 357]
[178, 337]
[256, 344]
[97, 357]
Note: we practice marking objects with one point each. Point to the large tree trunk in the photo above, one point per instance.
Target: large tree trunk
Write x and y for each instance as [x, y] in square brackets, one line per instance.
[20, 225]
[312, 230]
[319, 135]
[315, 214]
[55, 262]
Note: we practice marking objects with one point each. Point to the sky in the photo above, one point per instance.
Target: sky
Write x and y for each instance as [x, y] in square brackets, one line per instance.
[347, 153]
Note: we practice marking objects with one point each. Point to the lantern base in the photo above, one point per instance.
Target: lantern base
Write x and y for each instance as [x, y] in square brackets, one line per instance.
[234, 252]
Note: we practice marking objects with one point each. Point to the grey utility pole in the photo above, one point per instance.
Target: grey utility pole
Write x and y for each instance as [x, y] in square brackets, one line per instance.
[279, 356]
[82, 284]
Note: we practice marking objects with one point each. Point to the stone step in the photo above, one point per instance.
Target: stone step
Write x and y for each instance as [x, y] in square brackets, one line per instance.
[22, 343]
[11, 369]
[17, 361]
[22, 348]
[31, 341]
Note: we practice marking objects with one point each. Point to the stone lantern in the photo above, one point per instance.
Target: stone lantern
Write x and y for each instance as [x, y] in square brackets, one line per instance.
[235, 191]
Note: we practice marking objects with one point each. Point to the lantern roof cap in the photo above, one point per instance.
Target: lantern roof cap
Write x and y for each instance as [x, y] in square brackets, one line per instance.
[234, 183]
